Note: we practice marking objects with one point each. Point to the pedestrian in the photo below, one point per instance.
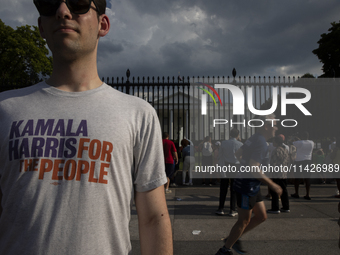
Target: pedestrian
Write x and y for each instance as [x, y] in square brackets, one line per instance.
[279, 158]
[207, 156]
[188, 154]
[253, 154]
[319, 159]
[228, 158]
[170, 157]
[75, 153]
[304, 150]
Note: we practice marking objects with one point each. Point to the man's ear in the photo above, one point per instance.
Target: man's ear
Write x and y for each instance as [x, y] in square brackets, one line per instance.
[104, 25]
[41, 30]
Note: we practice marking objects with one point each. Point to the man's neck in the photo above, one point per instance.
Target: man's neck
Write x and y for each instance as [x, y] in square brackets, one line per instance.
[75, 76]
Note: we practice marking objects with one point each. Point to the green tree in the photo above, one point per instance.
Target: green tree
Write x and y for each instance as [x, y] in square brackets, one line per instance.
[24, 57]
[329, 51]
[307, 75]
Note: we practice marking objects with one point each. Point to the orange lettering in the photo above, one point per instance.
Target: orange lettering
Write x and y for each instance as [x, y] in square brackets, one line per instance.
[57, 169]
[82, 168]
[94, 151]
[21, 164]
[73, 165]
[35, 164]
[91, 175]
[103, 172]
[107, 150]
[28, 165]
[82, 147]
[45, 166]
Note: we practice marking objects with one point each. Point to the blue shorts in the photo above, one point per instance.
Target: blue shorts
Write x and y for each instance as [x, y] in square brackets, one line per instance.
[247, 202]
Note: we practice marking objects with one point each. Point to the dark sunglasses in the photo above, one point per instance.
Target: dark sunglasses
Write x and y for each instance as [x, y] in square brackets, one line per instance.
[50, 7]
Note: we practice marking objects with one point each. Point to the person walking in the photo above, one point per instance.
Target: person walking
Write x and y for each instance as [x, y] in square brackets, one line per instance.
[170, 158]
[279, 157]
[228, 158]
[188, 154]
[304, 150]
[252, 154]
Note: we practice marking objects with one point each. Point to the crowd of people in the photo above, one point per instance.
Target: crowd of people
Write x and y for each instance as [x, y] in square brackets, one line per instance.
[299, 150]
[264, 147]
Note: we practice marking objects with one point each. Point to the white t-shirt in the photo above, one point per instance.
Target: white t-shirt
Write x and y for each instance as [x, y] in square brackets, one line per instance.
[304, 150]
[207, 149]
[332, 146]
[70, 163]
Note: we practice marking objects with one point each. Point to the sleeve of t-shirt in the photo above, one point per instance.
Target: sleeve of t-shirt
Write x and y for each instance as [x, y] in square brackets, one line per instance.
[149, 169]
[173, 147]
[296, 144]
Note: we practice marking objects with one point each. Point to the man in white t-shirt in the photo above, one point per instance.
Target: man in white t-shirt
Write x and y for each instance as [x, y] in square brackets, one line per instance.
[75, 153]
[304, 150]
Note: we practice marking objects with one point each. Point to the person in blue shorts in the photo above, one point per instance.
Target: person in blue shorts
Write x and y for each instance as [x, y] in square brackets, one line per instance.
[252, 154]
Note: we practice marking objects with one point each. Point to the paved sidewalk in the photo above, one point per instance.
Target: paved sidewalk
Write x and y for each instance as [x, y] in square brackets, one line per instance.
[310, 228]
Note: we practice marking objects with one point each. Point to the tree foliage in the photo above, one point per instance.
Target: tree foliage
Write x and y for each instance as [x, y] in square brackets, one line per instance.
[307, 75]
[24, 57]
[329, 51]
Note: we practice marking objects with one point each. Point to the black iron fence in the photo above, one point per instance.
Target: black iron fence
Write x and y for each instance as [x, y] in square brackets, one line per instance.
[177, 103]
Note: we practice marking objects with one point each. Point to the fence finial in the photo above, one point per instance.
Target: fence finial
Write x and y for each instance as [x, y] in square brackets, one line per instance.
[234, 73]
[127, 76]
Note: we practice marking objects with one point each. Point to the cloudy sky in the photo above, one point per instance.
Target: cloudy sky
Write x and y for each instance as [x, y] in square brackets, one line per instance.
[205, 38]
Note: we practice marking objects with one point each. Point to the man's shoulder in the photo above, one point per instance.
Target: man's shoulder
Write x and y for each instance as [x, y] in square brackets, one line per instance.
[256, 140]
[233, 141]
[16, 93]
[127, 99]
[168, 141]
[238, 142]
[298, 142]
[304, 143]
[310, 142]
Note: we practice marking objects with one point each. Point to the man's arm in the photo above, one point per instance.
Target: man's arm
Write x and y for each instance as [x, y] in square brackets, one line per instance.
[175, 156]
[263, 178]
[238, 154]
[154, 222]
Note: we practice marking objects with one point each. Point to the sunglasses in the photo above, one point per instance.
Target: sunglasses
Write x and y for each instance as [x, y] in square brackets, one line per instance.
[50, 7]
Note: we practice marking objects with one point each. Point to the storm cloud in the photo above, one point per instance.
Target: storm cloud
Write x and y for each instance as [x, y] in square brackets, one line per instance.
[196, 38]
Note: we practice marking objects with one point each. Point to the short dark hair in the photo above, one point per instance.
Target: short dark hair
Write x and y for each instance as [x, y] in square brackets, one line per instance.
[185, 143]
[278, 140]
[207, 139]
[234, 133]
[101, 5]
[165, 135]
[304, 135]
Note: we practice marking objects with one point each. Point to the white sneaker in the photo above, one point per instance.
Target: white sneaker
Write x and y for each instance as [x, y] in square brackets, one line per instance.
[167, 191]
[188, 184]
[232, 213]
